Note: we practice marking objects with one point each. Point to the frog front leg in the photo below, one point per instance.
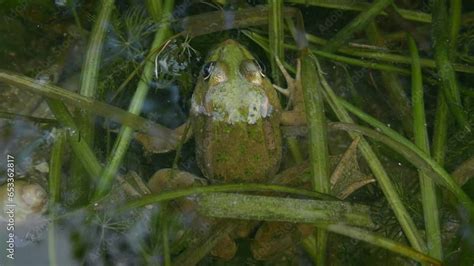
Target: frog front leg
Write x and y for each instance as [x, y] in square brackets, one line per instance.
[151, 144]
[294, 114]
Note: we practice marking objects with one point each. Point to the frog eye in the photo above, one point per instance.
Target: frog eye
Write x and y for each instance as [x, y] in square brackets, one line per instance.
[207, 69]
[261, 69]
[252, 71]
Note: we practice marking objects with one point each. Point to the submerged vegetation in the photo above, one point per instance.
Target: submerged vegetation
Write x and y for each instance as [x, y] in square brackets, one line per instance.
[366, 157]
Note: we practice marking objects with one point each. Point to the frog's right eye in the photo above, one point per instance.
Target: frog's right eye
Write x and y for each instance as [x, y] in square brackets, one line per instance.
[207, 69]
[252, 71]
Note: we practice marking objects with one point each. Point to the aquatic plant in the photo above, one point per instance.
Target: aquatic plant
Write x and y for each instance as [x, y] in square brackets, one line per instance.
[141, 53]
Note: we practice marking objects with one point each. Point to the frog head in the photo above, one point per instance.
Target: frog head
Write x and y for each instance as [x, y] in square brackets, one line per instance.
[232, 87]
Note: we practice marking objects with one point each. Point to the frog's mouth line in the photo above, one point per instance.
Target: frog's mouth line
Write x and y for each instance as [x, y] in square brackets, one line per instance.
[247, 109]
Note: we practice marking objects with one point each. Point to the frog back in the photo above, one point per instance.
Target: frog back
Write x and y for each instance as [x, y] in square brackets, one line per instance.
[235, 115]
[238, 153]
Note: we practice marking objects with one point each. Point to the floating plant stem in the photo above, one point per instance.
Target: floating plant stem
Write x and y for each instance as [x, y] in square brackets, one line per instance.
[126, 133]
[384, 56]
[318, 150]
[455, 11]
[378, 54]
[331, 56]
[55, 164]
[440, 129]
[33, 119]
[54, 183]
[352, 5]
[81, 149]
[388, 188]
[198, 25]
[73, 8]
[357, 24]
[293, 147]
[441, 118]
[248, 187]
[409, 149]
[155, 8]
[275, 37]
[446, 71]
[113, 113]
[283, 209]
[52, 243]
[91, 66]
[164, 226]
[427, 185]
[376, 240]
[361, 63]
[314, 109]
[89, 84]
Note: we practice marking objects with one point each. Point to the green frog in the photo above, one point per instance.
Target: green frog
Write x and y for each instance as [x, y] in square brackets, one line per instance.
[235, 118]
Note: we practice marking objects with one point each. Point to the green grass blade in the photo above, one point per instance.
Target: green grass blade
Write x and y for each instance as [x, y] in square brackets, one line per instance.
[384, 56]
[376, 240]
[283, 209]
[445, 68]
[318, 150]
[32, 119]
[126, 133]
[54, 183]
[91, 66]
[357, 24]
[275, 37]
[429, 164]
[388, 188]
[248, 187]
[454, 25]
[441, 117]
[440, 129]
[99, 108]
[55, 164]
[331, 56]
[89, 84]
[315, 116]
[80, 148]
[427, 185]
[352, 5]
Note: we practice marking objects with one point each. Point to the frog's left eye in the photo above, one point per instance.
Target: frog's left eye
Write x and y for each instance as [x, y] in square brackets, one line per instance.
[207, 70]
[252, 71]
[261, 69]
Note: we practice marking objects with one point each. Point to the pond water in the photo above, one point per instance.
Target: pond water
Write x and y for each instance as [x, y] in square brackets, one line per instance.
[227, 132]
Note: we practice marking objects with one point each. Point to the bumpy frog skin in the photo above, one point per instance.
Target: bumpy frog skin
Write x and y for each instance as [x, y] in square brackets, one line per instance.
[235, 115]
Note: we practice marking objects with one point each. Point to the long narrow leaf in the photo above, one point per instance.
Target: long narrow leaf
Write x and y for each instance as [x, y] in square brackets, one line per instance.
[388, 188]
[355, 25]
[427, 185]
[412, 153]
[282, 209]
